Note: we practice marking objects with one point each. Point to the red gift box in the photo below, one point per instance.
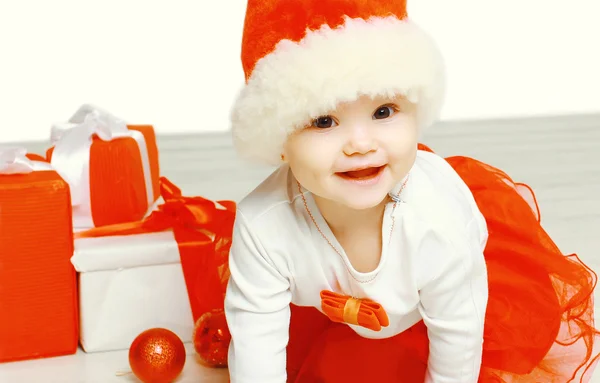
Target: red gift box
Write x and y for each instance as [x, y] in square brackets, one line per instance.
[38, 292]
[112, 169]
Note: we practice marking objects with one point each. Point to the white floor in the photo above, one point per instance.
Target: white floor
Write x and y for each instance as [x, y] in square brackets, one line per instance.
[108, 367]
[558, 156]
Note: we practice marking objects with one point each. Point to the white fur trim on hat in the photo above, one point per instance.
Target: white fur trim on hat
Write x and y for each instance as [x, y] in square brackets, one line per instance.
[300, 81]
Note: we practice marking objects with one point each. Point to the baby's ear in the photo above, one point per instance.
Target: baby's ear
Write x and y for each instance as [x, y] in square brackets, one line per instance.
[284, 152]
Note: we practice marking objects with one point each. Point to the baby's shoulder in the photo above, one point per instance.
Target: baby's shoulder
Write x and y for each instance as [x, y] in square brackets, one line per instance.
[270, 203]
[440, 172]
[441, 194]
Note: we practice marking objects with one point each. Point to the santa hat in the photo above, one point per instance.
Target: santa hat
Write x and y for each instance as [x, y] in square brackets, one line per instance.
[302, 57]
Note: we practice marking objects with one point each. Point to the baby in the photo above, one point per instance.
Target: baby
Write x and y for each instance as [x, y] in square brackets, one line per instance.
[365, 257]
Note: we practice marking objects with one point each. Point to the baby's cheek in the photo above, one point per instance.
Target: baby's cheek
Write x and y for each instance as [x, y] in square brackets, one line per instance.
[403, 156]
[403, 147]
[310, 165]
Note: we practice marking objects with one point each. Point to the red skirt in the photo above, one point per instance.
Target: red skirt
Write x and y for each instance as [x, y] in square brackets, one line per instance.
[539, 321]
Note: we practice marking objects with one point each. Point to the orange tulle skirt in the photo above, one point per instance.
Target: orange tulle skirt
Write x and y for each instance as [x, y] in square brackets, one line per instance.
[539, 324]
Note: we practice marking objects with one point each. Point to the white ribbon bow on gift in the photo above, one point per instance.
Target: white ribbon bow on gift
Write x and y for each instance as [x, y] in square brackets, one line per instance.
[71, 159]
[13, 160]
[60, 128]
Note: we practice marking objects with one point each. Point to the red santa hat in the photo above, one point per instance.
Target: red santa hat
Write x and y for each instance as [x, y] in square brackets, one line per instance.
[302, 57]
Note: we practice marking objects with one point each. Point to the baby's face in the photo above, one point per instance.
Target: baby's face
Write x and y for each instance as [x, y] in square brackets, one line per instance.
[357, 153]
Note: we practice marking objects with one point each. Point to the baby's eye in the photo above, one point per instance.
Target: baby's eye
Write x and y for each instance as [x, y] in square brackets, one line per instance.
[324, 122]
[384, 112]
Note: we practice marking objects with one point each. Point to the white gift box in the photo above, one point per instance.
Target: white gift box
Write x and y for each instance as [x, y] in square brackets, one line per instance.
[128, 284]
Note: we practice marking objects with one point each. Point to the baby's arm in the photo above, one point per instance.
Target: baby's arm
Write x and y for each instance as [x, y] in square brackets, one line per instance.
[453, 307]
[257, 310]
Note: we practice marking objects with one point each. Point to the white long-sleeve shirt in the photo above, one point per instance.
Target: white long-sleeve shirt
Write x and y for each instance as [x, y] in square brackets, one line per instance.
[431, 269]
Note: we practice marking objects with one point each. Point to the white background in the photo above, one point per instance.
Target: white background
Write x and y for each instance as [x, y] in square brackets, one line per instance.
[175, 64]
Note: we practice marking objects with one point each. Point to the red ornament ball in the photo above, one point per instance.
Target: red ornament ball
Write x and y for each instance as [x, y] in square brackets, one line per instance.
[157, 356]
[212, 338]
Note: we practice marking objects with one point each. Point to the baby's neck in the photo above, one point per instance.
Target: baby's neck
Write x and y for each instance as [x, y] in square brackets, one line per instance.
[344, 220]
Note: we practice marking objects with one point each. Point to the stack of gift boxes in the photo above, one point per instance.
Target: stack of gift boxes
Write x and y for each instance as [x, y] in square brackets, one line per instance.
[96, 247]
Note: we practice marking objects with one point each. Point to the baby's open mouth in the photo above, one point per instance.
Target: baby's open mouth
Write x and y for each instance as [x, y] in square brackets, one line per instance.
[362, 174]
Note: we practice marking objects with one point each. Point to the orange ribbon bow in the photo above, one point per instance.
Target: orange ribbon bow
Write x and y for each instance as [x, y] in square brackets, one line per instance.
[362, 312]
[203, 234]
